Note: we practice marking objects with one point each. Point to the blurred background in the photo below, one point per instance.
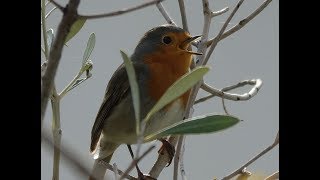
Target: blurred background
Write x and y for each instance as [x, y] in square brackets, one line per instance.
[252, 52]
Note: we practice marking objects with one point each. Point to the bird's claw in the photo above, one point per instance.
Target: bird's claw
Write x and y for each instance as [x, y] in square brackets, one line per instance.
[167, 146]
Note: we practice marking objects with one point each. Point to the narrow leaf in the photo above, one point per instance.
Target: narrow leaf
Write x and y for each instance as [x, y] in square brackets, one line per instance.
[134, 88]
[75, 28]
[197, 125]
[90, 45]
[181, 86]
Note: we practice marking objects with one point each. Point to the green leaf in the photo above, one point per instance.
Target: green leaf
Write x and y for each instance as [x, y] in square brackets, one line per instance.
[90, 45]
[181, 86]
[134, 88]
[75, 28]
[50, 37]
[197, 125]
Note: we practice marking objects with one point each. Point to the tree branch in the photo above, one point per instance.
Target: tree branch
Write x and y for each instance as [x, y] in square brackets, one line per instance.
[214, 43]
[217, 13]
[183, 15]
[179, 151]
[276, 142]
[228, 88]
[165, 14]
[273, 176]
[68, 19]
[57, 5]
[234, 97]
[242, 23]
[119, 12]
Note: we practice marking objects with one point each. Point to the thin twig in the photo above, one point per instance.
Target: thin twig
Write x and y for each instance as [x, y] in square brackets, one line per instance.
[135, 161]
[165, 14]
[179, 155]
[44, 30]
[57, 5]
[182, 171]
[183, 15]
[47, 3]
[122, 11]
[56, 132]
[178, 158]
[217, 13]
[51, 12]
[228, 88]
[242, 23]
[234, 97]
[273, 176]
[214, 43]
[239, 170]
[67, 21]
[43, 51]
[224, 106]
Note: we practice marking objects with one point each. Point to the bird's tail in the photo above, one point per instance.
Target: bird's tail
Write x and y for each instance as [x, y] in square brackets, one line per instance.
[99, 169]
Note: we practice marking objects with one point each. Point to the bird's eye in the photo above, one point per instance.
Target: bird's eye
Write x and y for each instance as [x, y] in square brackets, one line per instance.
[166, 40]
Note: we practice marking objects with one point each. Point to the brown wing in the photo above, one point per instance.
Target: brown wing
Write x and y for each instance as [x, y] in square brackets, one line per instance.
[117, 89]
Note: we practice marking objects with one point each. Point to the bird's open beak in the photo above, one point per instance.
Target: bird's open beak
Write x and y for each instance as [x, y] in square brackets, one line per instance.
[187, 42]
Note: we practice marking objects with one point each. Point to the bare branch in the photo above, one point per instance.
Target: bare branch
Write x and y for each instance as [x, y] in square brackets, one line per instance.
[178, 158]
[276, 142]
[57, 5]
[234, 97]
[242, 23]
[273, 176]
[165, 14]
[119, 12]
[214, 43]
[228, 88]
[183, 15]
[50, 12]
[217, 13]
[182, 171]
[224, 106]
[44, 30]
[55, 53]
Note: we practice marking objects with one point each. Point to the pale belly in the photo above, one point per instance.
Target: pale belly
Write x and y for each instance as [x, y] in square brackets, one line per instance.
[120, 127]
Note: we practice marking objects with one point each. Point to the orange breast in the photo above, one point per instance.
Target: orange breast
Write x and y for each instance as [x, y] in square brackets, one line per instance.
[164, 71]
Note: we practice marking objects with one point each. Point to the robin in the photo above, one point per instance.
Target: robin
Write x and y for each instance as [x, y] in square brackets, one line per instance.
[160, 58]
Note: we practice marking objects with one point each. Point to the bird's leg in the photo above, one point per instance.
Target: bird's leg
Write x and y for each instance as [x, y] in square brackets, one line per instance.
[167, 146]
[141, 176]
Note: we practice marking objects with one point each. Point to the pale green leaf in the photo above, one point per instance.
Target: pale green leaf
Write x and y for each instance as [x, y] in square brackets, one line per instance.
[197, 125]
[134, 88]
[75, 28]
[90, 45]
[181, 86]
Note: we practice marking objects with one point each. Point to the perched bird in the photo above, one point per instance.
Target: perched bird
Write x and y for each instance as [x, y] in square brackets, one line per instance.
[160, 58]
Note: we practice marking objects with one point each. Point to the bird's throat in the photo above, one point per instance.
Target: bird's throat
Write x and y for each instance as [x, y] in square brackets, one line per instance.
[164, 71]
